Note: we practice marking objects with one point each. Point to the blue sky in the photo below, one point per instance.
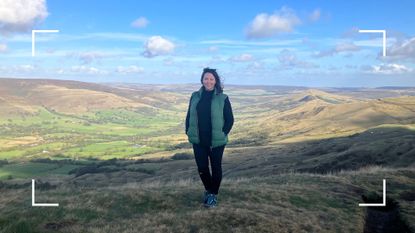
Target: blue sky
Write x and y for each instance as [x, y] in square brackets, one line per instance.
[302, 43]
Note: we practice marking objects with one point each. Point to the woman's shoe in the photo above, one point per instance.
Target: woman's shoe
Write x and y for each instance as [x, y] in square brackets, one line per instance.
[205, 197]
[211, 200]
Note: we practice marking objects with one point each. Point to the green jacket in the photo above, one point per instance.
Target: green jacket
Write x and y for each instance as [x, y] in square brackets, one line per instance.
[218, 102]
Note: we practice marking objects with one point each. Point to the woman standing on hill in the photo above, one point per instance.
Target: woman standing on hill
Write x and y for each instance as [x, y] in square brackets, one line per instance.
[208, 122]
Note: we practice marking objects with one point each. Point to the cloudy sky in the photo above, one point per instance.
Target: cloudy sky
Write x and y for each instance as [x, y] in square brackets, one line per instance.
[303, 43]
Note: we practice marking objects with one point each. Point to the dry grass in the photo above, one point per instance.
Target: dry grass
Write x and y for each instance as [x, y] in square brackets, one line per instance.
[286, 203]
[19, 141]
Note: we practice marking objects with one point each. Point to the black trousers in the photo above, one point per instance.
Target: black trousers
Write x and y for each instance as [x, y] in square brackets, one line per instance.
[202, 156]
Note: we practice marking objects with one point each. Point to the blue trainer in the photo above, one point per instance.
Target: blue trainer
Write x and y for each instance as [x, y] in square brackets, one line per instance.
[212, 200]
[205, 197]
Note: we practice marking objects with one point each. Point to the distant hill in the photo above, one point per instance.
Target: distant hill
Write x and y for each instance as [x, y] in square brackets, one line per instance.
[318, 113]
[145, 118]
[25, 96]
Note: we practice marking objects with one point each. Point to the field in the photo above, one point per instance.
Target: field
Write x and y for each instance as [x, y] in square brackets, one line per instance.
[298, 160]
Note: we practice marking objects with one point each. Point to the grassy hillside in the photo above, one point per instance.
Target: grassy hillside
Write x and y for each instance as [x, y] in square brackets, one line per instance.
[289, 202]
[318, 183]
[116, 158]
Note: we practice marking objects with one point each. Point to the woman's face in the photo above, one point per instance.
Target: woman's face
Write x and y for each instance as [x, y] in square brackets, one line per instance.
[209, 81]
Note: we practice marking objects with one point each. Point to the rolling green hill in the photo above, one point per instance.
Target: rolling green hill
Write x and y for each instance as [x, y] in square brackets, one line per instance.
[116, 158]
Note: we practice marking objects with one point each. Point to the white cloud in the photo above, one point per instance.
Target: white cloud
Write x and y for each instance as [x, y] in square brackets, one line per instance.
[255, 66]
[315, 15]
[89, 57]
[87, 70]
[116, 36]
[18, 69]
[404, 50]
[388, 69]
[21, 15]
[241, 58]
[3, 48]
[157, 45]
[244, 43]
[351, 33]
[215, 60]
[102, 36]
[265, 25]
[289, 59]
[129, 69]
[345, 47]
[341, 47]
[141, 22]
[26, 68]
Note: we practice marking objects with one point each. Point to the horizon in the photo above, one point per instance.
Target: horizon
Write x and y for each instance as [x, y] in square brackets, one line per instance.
[230, 84]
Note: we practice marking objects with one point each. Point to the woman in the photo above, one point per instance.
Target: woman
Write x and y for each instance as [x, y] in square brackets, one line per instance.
[208, 122]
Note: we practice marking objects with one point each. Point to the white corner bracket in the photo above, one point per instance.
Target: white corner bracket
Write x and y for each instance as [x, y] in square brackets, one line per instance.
[33, 38]
[378, 204]
[39, 204]
[378, 31]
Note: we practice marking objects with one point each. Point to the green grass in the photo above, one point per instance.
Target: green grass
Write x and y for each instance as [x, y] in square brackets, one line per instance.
[302, 203]
[30, 170]
[33, 151]
[104, 134]
[105, 150]
[170, 200]
[10, 154]
[119, 122]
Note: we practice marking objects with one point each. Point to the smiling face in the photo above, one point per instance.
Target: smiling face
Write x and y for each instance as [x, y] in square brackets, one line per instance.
[209, 81]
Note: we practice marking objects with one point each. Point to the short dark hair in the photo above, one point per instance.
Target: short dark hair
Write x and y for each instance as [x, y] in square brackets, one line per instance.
[218, 84]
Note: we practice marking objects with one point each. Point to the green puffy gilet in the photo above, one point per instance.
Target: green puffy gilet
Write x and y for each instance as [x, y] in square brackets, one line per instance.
[218, 102]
